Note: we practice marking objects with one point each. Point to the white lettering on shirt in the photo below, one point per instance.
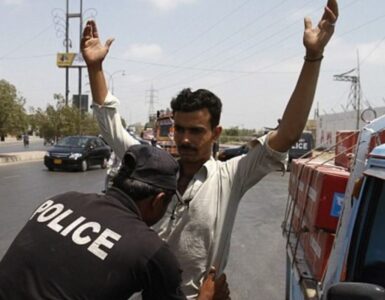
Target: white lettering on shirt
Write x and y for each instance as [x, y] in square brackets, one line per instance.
[46, 215]
[83, 233]
[102, 240]
[78, 239]
[54, 224]
[72, 226]
[42, 207]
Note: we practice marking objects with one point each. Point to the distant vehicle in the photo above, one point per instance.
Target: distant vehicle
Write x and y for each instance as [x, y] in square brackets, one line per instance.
[302, 148]
[164, 132]
[77, 152]
[228, 153]
[139, 139]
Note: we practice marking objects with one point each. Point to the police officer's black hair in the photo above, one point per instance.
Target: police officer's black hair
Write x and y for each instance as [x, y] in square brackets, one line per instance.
[138, 190]
[188, 101]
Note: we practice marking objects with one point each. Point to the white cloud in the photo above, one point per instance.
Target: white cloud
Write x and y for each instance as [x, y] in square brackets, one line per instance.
[144, 51]
[373, 53]
[12, 2]
[341, 52]
[169, 4]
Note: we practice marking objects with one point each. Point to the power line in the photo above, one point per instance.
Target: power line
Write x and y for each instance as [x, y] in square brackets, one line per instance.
[31, 56]
[25, 42]
[256, 19]
[373, 50]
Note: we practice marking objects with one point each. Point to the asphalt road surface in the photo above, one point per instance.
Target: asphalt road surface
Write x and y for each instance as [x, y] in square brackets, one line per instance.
[18, 146]
[256, 267]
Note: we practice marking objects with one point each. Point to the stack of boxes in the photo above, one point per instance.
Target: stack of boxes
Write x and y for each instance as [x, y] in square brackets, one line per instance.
[318, 192]
[346, 142]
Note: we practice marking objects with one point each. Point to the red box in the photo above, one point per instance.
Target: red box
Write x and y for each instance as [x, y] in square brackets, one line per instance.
[297, 166]
[297, 220]
[299, 181]
[325, 196]
[376, 140]
[304, 183]
[317, 246]
[346, 141]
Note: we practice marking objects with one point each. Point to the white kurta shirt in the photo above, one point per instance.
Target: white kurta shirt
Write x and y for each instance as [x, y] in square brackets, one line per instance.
[198, 226]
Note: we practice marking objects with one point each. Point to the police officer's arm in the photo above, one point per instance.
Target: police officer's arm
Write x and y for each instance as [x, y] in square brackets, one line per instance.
[297, 110]
[94, 53]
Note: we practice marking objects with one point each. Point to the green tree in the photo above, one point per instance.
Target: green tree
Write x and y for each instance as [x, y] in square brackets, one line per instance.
[62, 120]
[13, 118]
[232, 131]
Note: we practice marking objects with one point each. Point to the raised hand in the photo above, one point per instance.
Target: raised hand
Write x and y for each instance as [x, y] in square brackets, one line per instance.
[315, 39]
[92, 49]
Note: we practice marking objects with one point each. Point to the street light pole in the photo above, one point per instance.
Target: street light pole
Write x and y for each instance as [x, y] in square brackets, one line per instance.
[111, 78]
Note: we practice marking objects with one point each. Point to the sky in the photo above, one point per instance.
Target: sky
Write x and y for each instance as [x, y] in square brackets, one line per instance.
[248, 52]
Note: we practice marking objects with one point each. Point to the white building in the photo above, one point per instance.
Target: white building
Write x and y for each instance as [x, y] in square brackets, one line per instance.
[328, 125]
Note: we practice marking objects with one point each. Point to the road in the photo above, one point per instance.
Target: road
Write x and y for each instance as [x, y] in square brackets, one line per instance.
[256, 267]
[17, 146]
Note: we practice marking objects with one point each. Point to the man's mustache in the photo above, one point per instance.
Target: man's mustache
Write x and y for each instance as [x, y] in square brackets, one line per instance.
[187, 147]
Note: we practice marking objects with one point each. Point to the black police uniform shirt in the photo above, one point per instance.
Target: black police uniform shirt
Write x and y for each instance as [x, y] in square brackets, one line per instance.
[88, 246]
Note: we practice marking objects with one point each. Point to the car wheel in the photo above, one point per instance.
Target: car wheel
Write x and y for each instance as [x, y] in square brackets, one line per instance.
[84, 166]
[50, 169]
[104, 163]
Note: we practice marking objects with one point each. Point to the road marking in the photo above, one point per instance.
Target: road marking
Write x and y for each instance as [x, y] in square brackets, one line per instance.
[13, 176]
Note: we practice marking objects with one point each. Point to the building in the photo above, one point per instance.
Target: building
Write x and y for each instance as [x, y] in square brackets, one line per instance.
[329, 124]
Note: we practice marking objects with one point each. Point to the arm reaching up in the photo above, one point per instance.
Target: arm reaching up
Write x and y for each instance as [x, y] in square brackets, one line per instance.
[94, 53]
[297, 110]
[106, 111]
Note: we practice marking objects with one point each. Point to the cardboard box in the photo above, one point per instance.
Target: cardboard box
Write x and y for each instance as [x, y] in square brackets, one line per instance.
[317, 246]
[346, 141]
[325, 197]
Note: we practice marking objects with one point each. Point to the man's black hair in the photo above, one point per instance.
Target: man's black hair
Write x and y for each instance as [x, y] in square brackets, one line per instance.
[188, 101]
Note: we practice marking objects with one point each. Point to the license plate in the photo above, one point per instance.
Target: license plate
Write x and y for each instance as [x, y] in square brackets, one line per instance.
[57, 161]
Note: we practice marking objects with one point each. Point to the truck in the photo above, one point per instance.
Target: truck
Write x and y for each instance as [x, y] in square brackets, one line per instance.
[164, 131]
[334, 224]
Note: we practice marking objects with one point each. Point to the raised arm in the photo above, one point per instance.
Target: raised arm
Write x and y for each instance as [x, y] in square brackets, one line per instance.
[107, 114]
[297, 110]
[94, 53]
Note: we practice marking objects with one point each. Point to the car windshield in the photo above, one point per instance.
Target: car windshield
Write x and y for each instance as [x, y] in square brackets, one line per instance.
[73, 141]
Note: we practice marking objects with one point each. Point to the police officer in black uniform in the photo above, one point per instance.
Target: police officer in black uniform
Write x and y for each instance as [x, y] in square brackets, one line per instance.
[92, 246]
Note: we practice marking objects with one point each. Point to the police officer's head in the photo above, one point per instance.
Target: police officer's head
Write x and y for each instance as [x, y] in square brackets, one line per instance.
[149, 176]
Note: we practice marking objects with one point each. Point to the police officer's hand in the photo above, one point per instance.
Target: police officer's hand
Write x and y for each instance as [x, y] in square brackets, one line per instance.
[214, 289]
[92, 49]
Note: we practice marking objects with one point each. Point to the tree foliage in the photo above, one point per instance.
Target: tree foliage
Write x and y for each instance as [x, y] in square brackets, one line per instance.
[13, 118]
[61, 120]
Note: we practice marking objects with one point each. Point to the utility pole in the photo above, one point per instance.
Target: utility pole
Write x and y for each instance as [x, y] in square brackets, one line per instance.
[80, 50]
[151, 94]
[67, 49]
[355, 89]
[80, 16]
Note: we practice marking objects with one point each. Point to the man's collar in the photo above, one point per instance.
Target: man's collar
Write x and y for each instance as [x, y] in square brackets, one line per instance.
[205, 171]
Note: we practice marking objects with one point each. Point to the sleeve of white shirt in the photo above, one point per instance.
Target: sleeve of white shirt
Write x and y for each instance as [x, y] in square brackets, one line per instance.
[111, 127]
[248, 169]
